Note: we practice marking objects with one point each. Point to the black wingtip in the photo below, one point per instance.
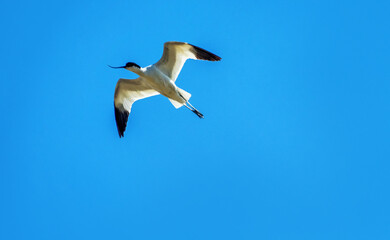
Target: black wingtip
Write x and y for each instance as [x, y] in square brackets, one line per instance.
[121, 117]
[202, 54]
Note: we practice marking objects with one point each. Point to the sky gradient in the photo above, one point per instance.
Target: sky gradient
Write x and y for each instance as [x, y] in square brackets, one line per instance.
[294, 144]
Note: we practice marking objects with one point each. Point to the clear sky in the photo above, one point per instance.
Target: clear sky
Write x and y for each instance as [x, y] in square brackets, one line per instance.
[294, 144]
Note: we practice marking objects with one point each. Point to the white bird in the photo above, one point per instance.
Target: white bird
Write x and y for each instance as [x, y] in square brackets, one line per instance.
[155, 79]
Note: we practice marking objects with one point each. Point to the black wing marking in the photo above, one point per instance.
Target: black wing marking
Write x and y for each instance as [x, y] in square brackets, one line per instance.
[121, 117]
[126, 93]
[202, 54]
[175, 55]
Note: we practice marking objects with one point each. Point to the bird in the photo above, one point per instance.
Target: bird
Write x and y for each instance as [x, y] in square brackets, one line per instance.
[155, 79]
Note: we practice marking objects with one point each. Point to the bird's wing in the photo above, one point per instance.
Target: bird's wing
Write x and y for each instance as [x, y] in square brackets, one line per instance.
[175, 55]
[126, 93]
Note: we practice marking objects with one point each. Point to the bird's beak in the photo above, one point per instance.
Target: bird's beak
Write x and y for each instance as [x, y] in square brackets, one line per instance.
[116, 67]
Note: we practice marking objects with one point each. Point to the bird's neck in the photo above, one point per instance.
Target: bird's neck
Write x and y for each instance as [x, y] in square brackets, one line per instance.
[139, 71]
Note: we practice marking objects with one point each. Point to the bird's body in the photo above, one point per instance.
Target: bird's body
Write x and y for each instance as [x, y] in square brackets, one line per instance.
[155, 79]
[160, 82]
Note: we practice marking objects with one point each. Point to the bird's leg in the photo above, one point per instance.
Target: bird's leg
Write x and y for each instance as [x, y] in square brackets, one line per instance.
[195, 110]
[200, 115]
[190, 105]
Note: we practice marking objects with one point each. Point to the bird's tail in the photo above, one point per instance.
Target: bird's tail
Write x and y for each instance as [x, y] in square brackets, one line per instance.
[185, 95]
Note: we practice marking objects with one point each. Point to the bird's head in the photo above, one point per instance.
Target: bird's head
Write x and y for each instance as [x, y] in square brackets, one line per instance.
[129, 66]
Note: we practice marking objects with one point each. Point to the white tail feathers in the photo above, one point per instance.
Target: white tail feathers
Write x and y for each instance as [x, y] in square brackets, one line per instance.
[184, 94]
[175, 103]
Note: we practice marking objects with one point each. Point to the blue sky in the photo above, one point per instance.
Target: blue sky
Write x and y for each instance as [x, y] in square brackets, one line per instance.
[294, 144]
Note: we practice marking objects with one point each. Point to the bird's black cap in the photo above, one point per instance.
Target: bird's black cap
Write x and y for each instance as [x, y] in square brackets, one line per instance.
[131, 64]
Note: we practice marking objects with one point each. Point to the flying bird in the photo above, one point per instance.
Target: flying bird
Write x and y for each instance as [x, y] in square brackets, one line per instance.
[155, 79]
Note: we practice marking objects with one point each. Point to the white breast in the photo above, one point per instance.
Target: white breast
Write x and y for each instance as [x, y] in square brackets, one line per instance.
[160, 82]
